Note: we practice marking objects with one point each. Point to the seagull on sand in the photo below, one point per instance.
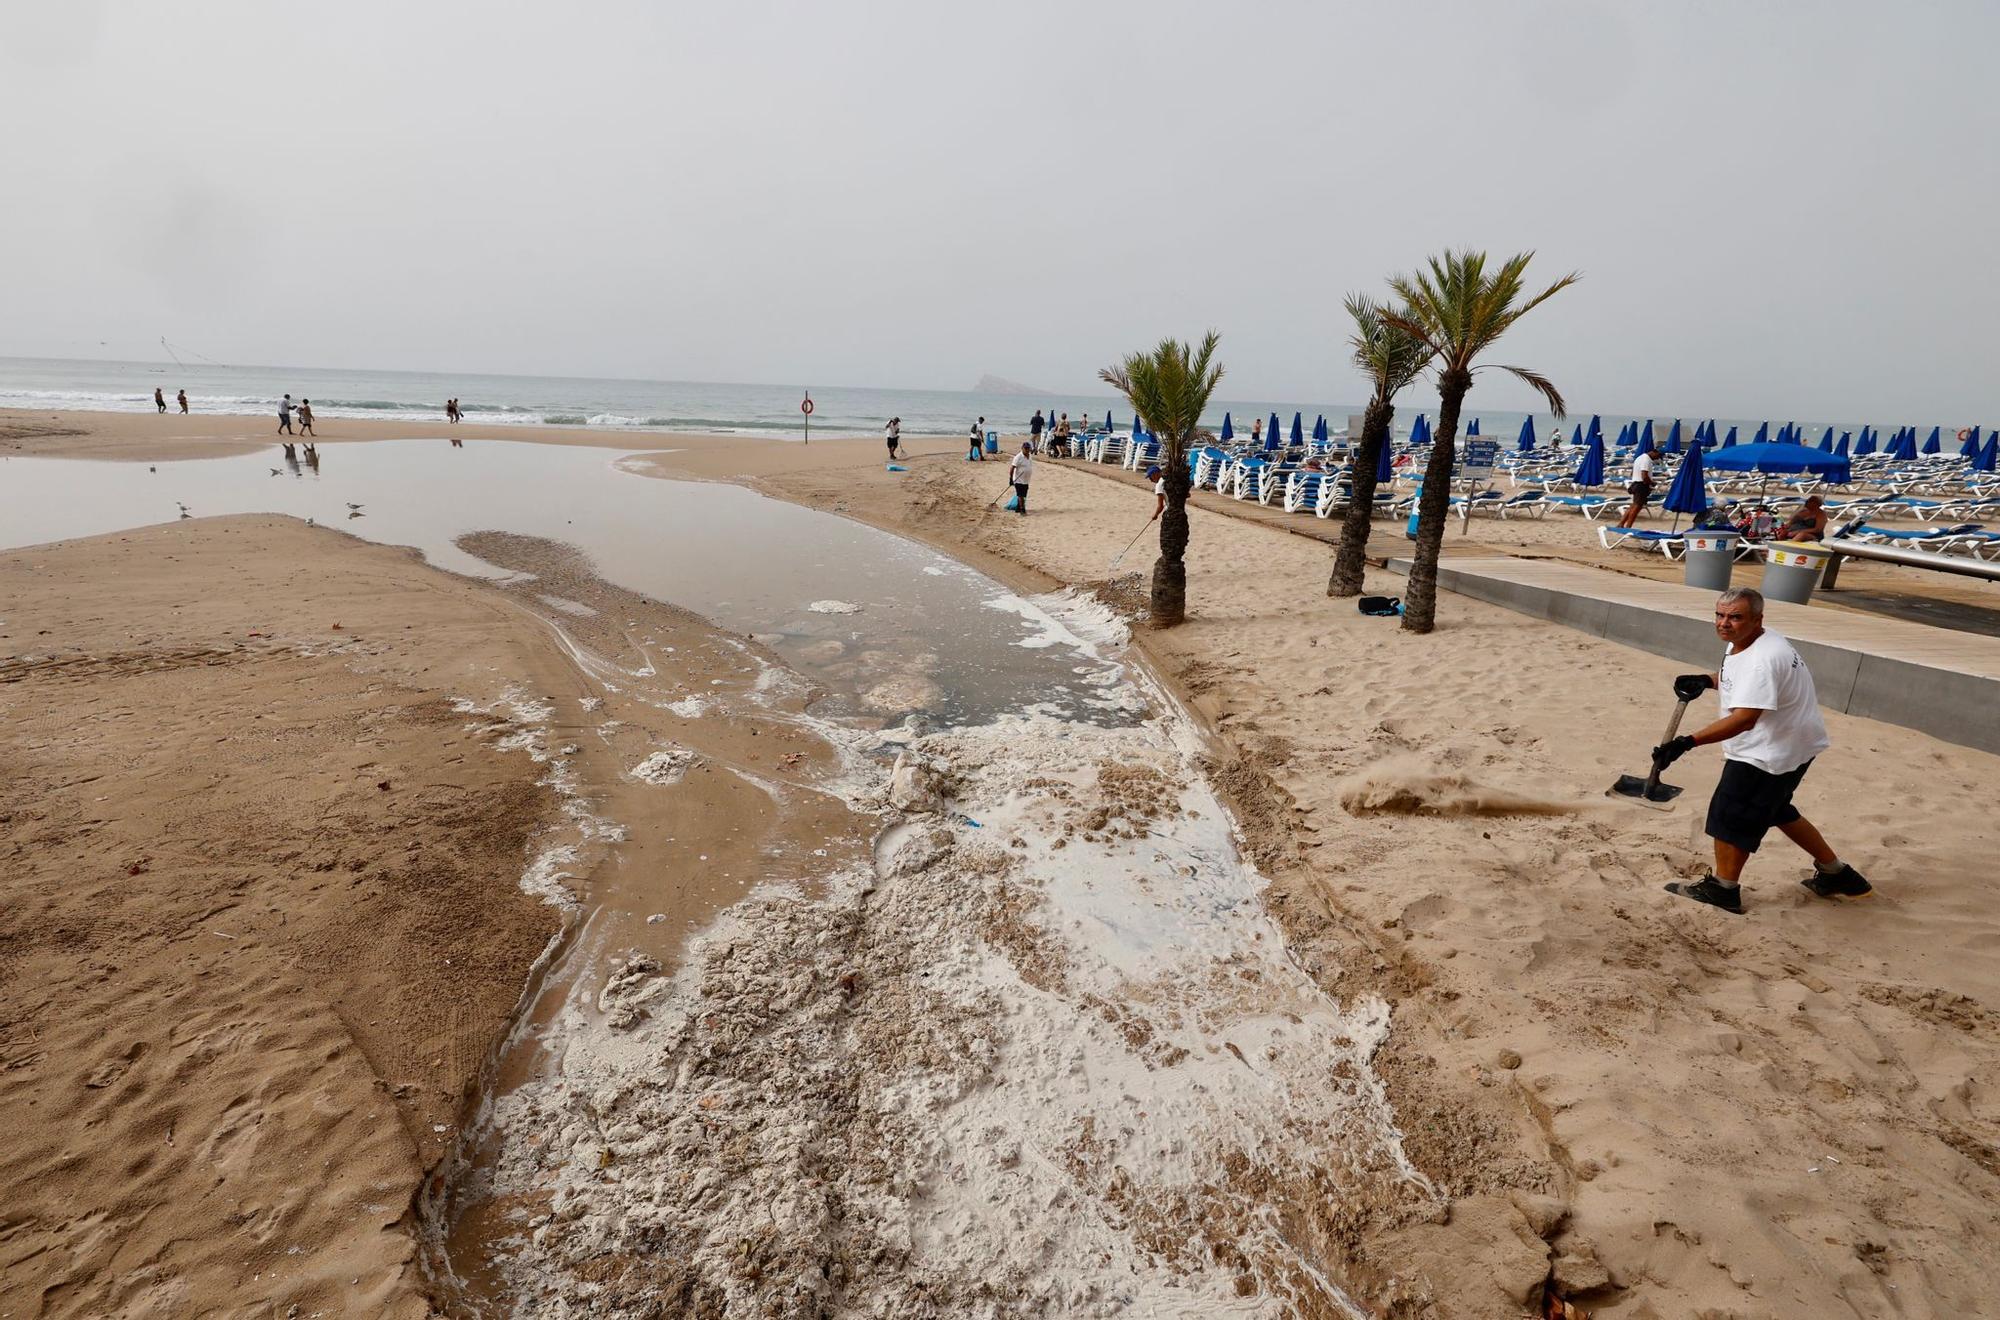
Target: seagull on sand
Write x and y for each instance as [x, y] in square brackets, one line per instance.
[354, 506]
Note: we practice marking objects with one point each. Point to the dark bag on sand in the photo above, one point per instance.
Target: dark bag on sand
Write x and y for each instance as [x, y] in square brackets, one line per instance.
[1380, 605]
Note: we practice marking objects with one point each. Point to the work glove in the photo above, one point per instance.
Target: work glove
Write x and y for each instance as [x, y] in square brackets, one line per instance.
[1689, 686]
[1671, 751]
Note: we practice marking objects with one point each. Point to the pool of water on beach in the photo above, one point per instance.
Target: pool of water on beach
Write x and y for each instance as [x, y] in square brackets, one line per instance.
[952, 645]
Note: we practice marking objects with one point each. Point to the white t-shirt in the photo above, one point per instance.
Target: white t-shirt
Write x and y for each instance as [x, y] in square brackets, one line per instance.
[1769, 675]
[1160, 486]
[1022, 471]
[1642, 468]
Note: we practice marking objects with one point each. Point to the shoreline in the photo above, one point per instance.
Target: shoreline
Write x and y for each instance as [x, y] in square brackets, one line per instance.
[1431, 833]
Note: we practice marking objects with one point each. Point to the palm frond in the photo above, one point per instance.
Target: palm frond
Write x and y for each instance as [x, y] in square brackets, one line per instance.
[1543, 385]
[1170, 388]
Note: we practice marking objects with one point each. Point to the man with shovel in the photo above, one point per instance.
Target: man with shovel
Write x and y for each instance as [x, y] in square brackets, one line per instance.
[1770, 732]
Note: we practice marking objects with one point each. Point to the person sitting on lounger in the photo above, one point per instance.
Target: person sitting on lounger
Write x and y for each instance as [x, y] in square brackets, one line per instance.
[1808, 524]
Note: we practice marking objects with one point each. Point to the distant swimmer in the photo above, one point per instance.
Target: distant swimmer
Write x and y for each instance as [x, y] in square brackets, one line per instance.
[306, 417]
[159, 399]
[285, 416]
[183, 397]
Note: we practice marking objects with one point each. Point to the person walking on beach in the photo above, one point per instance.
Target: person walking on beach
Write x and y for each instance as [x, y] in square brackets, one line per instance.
[1035, 426]
[978, 451]
[183, 397]
[1021, 471]
[285, 415]
[159, 399]
[892, 435]
[306, 417]
[1641, 487]
[1770, 732]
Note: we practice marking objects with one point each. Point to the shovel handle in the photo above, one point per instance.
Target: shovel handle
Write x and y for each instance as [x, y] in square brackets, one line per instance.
[1673, 727]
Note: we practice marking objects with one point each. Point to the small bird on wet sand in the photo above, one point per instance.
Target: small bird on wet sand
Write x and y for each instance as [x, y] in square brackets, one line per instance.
[183, 508]
[354, 506]
[274, 472]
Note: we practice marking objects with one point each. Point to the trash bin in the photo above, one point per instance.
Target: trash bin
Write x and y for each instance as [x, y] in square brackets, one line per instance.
[1792, 571]
[1708, 559]
[992, 442]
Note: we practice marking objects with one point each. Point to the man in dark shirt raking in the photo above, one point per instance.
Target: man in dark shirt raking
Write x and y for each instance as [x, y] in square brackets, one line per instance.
[1770, 732]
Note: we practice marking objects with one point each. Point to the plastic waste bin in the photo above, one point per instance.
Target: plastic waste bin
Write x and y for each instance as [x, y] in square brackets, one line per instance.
[992, 442]
[1792, 571]
[1709, 558]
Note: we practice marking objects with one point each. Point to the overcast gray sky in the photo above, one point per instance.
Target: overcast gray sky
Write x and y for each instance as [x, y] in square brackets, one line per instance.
[1781, 209]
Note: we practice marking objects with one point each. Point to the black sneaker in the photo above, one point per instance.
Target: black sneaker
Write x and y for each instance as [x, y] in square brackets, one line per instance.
[1711, 891]
[1844, 883]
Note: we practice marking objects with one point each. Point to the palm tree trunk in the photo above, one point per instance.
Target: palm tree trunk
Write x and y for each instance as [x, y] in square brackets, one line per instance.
[1169, 599]
[1349, 562]
[1420, 607]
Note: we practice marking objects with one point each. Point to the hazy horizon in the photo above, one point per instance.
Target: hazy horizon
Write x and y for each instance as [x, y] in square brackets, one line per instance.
[1772, 207]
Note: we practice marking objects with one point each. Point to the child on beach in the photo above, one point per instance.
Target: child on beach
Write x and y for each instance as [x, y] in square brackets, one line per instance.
[305, 417]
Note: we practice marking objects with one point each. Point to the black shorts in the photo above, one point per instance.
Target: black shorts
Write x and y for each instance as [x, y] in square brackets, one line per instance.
[1640, 491]
[1748, 802]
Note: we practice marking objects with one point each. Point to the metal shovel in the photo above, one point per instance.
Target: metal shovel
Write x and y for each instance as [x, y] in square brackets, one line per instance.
[1647, 790]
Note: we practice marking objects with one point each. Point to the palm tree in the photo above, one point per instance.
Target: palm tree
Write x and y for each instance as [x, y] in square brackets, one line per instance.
[1458, 310]
[1391, 357]
[1170, 388]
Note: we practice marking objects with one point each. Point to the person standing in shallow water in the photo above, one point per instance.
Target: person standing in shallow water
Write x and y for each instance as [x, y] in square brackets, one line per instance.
[183, 397]
[1770, 732]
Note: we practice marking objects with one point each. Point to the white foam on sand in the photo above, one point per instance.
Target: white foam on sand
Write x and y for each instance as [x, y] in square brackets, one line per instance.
[833, 607]
[1049, 1056]
[668, 767]
[519, 722]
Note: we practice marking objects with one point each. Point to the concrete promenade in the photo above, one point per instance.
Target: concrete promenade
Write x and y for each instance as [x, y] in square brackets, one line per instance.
[1943, 683]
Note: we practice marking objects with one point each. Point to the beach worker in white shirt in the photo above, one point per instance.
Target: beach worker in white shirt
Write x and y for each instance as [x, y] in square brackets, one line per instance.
[1641, 486]
[1770, 732]
[1159, 480]
[1021, 471]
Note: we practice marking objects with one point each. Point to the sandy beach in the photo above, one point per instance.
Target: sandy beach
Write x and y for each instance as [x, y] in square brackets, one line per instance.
[265, 920]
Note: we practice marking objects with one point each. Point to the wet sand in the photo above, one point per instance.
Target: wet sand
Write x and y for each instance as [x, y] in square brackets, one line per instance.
[1668, 1111]
[292, 822]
